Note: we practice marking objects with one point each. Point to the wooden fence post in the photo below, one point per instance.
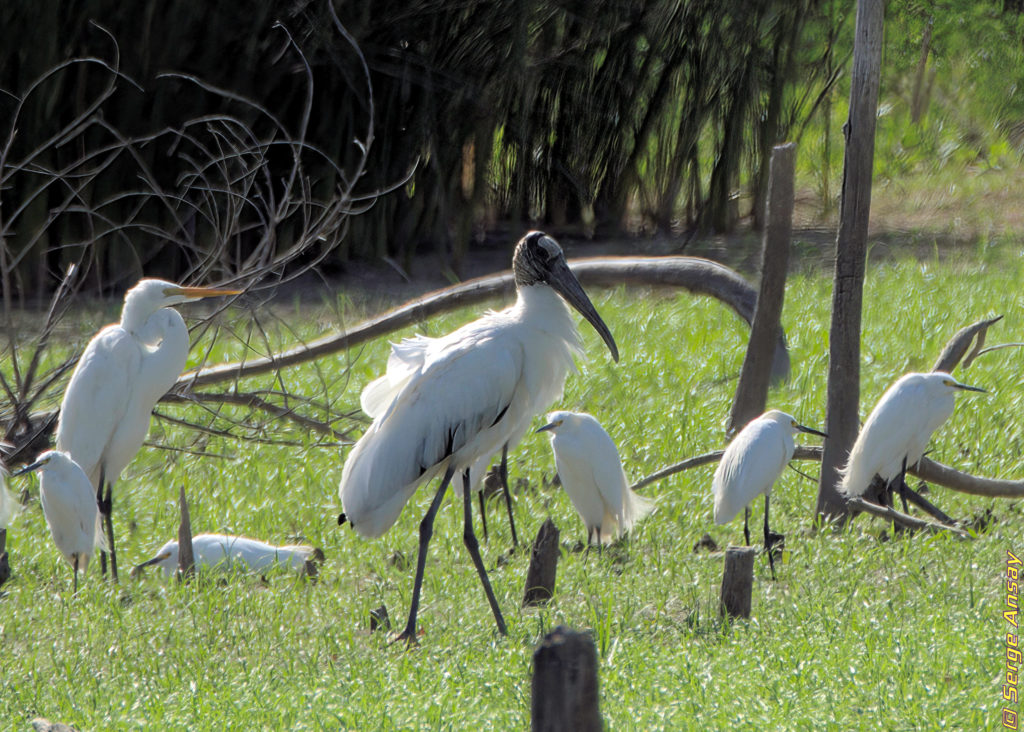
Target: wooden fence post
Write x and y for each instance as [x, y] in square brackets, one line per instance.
[540, 577]
[737, 581]
[186, 561]
[565, 688]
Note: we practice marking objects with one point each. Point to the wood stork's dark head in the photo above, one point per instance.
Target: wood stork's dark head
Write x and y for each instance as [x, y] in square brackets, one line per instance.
[539, 260]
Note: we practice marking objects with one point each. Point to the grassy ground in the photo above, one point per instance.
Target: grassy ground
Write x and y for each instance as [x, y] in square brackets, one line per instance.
[857, 633]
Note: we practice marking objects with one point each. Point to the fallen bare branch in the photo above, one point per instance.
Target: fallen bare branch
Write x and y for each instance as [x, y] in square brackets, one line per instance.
[959, 344]
[859, 504]
[928, 470]
[700, 276]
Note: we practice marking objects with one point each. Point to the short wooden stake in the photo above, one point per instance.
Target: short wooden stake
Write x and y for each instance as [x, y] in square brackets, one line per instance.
[540, 576]
[737, 581]
[379, 619]
[565, 690]
[186, 561]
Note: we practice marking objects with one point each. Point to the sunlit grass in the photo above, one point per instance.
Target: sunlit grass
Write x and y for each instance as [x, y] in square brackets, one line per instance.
[856, 634]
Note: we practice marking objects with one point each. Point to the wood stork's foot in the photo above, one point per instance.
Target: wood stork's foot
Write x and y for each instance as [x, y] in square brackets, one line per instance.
[408, 636]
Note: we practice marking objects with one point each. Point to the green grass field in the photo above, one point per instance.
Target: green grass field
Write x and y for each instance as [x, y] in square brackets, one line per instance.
[857, 633]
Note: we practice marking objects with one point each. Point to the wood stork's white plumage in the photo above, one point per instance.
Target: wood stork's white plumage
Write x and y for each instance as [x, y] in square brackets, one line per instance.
[448, 404]
[897, 432]
[751, 464]
[591, 472]
[125, 369]
[69, 506]
[223, 551]
[405, 360]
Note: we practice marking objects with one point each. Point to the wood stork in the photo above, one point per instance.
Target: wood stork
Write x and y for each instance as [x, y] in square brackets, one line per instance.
[591, 472]
[69, 506]
[895, 436]
[751, 464]
[225, 550]
[448, 403]
[125, 369]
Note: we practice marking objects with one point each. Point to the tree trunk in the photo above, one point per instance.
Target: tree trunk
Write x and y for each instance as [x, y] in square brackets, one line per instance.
[755, 376]
[841, 415]
[919, 100]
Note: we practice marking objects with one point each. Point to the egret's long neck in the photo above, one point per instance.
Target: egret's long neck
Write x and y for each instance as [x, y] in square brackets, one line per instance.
[165, 340]
[545, 310]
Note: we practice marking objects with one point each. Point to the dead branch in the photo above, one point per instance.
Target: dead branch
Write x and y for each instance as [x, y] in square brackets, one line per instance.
[697, 275]
[928, 470]
[959, 344]
[910, 522]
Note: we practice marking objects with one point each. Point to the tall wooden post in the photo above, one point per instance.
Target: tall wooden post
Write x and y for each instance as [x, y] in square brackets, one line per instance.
[755, 376]
[186, 561]
[841, 413]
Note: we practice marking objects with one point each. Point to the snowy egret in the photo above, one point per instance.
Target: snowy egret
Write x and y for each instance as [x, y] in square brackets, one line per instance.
[591, 473]
[123, 372]
[224, 550]
[448, 403]
[9, 506]
[896, 433]
[69, 506]
[751, 464]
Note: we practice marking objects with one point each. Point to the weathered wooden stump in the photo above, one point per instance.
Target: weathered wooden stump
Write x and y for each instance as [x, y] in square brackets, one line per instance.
[737, 581]
[540, 576]
[565, 689]
[379, 619]
[186, 561]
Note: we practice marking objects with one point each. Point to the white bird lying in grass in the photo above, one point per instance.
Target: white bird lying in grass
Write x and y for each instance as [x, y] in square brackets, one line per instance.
[896, 433]
[591, 472]
[751, 464]
[224, 551]
[69, 505]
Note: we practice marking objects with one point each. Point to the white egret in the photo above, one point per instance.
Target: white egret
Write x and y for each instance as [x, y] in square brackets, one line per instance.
[896, 433]
[123, 372]
[751, 464]
[591, 472]
[461, 398]
[225, 550]
[9, 506]
[69, 506]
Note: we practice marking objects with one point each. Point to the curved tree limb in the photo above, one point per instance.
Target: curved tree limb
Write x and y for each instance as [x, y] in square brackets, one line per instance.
[928, 469]
[700, 276]
[859, 504]
[958, 345]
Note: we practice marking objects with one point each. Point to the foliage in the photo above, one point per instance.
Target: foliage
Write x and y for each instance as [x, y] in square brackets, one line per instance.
[904, 633]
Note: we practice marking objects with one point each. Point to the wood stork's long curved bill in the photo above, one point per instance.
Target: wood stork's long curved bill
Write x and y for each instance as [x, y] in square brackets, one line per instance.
[564, 282]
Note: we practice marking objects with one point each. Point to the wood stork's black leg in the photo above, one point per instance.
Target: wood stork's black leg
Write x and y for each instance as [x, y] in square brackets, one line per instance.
[503, 474]
[768, 537]
[469, 539]
[74, 568]
[746, 526]
[426, 531]
[483, 514]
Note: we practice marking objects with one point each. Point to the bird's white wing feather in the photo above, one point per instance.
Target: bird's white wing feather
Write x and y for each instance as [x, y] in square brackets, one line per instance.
[9, 506]
[405, 361]
[97, 398]
[465, 387]
[884, 440]
[750, 466]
